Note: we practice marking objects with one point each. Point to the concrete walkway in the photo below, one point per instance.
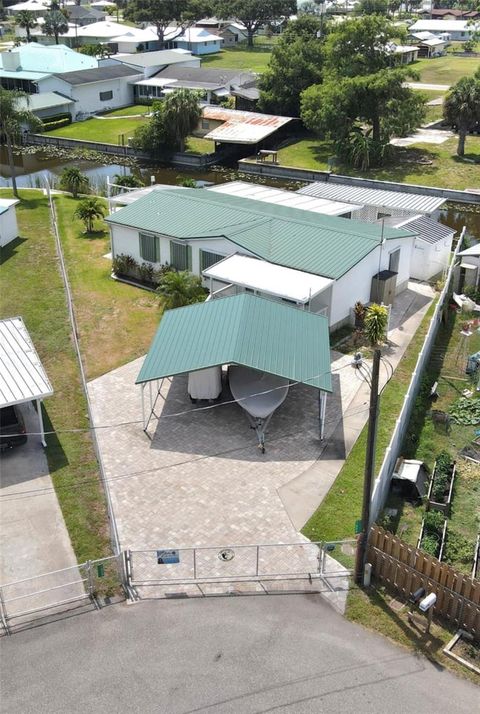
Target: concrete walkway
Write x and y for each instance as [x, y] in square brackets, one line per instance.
[33, 536]
[303, 495]
[424, 136]
[428, 87]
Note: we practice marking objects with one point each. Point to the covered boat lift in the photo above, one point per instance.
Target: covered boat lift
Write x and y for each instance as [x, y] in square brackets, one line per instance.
[267, 344]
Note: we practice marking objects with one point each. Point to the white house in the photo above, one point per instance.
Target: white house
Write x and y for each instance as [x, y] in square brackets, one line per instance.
[197, 40]
[94, 90]
[150, 63]
[456, 30]
[194, 229]
[432, 248]
[8, 220]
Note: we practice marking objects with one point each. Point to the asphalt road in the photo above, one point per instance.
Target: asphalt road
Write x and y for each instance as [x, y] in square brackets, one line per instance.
[221, 656]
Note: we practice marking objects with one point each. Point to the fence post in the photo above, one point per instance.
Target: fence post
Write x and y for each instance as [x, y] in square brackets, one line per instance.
[194, 563]
[258, 557]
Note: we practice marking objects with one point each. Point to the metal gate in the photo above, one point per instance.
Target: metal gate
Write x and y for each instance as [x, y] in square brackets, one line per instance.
[311, 562]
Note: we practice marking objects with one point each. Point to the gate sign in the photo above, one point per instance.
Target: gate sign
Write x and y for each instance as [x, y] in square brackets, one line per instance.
[167, 557]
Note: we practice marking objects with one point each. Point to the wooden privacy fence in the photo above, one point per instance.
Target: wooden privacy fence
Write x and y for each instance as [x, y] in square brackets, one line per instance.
[406, 569]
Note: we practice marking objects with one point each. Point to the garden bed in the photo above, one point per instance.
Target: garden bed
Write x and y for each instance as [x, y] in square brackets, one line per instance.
[440, 492]
[465, 650]
[432, 534]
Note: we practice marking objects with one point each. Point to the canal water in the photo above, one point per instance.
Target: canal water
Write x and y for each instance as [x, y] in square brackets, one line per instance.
[31, 170]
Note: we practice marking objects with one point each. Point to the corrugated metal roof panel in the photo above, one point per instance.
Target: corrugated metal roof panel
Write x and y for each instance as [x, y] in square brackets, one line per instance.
[374, 197]
[22, 376]
[304, 240]
[428, 230]
[245, 330]
[259, 192]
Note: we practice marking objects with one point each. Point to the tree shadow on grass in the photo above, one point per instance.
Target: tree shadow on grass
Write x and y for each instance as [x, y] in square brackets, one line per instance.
[56, 456]
[93, 235]
[11, 249]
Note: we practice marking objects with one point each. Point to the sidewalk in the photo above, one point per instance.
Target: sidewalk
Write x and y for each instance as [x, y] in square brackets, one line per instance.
[302, 496]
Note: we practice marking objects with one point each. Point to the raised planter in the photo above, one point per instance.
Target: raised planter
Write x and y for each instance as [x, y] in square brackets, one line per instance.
[443, 503]
[438, 534]
[461, 638]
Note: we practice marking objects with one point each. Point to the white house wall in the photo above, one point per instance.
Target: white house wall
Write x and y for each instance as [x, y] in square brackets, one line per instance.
[369, 214]
[356, 284]
[87, 96]
[430, 259]
[8, 226]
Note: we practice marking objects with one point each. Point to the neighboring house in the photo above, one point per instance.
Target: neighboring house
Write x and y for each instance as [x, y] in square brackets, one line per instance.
[213, 83]
[457, 30]
[403, 54]
[453, 14]
[376, 203]
[81, 16]
[150, 63]
[429, 45]
[48, 104]
[8, 220]
[94, 90]
[27, 67]
[432, 249]
[197, 40]
[194, 229]
[230, 32]
[134, 39]
[467, 273]
[37, 7]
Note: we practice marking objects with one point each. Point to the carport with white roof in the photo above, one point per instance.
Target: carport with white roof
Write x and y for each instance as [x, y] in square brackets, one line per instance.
[22, 375]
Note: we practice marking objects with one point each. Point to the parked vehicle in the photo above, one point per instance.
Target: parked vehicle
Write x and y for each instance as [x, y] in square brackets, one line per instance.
[12, 428]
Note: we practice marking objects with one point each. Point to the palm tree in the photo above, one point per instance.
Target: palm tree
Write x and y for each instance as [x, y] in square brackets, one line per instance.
[73, 181]
[14, 116]
[55, 23]
[88, 210]
[179, 289]
[128, 181]
[181, 113]
[26, 20]
[462, 108]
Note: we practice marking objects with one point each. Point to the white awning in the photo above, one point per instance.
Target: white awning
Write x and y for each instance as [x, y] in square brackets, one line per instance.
[268, 278]
[154, 82]
[22, 376]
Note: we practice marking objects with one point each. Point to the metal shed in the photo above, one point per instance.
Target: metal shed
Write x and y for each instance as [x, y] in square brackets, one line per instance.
[22, 376]
[244, 331]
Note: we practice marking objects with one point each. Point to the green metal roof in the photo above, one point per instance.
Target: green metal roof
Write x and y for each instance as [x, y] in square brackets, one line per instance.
[324, 245]
[246, 330]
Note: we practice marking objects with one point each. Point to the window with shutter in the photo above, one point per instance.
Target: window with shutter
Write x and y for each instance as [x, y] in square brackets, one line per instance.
[207, 259]
[149, 247]
[180, 256]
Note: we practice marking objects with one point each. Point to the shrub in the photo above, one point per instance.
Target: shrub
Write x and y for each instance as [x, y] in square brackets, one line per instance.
[376, 320]
[430, 545]
[440, 485]
[433, 521]
[124, 265]
[146, 272]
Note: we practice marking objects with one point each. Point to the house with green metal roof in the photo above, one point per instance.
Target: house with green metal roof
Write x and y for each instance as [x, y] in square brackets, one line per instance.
[195, 229]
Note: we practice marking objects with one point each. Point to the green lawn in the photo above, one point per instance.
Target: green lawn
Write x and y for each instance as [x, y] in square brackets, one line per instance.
[134, 110]
[424, 164]
[255, 59]
[107, 131]
[197, 145]
[445, 70]
[116, 321]
[32, 288]
[335, 518]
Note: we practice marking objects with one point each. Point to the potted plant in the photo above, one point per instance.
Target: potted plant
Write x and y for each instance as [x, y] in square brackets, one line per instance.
[359, 313]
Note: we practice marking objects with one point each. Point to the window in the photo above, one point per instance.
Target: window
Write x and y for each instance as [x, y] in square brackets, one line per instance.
[394, 260]
[383, 215]
[106, 96]
[180, 256]
[205, 124]
[149, 247]
[207, 259]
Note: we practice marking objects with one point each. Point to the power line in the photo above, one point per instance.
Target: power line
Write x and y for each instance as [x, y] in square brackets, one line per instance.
[32, 493]
[169, 416]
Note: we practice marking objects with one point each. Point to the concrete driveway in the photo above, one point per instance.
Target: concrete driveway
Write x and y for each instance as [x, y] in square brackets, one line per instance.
[252, 655]
[200, 478]
[33, 536]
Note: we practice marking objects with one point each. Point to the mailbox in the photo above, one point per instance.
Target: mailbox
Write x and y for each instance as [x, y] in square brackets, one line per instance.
[428, 602]
[417, 595]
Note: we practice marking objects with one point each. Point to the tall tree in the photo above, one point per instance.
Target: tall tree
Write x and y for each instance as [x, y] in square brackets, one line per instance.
[55, 24]
[27, 21]
[295, 64]
[255, 13]
[462, 108]
[359, 46]
[371, 7]
[74, 181]
[164, 14]
[14, 116]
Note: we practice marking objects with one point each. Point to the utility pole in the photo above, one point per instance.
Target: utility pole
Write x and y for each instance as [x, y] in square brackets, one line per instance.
[369, 468]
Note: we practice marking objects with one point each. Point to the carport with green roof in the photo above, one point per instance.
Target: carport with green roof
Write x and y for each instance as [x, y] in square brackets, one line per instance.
[246, 331]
